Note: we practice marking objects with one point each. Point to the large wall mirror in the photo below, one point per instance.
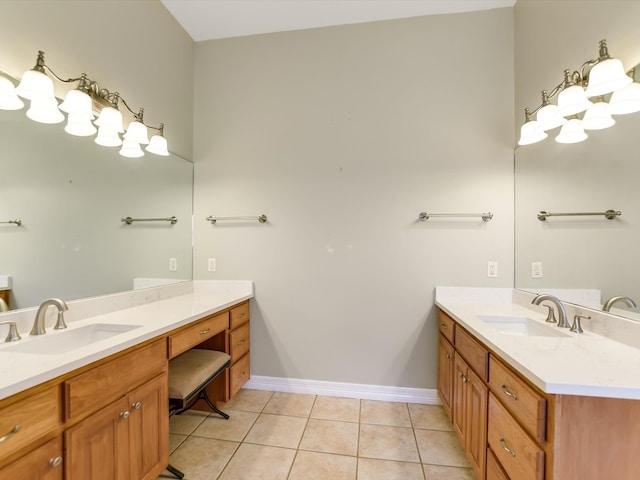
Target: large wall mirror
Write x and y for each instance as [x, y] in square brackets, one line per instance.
[581, 252]
[70, 195]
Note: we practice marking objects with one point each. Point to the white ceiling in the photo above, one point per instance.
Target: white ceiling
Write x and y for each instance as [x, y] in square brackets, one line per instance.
[210, 19]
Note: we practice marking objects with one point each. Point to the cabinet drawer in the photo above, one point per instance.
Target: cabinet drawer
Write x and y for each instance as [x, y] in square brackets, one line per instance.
[43, 463]
[239, 374]
[91, 390]
[518, 454]
[476, 356]
[28, 419]
[494, 470]
[521, 400]
[197, 333]
[446, 325]
[239, 342]
[239, 315]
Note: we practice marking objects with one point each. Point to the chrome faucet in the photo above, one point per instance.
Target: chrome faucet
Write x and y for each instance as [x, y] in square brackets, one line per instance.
[3, 305]
[562, 313]
[38, 324]
[626, 300]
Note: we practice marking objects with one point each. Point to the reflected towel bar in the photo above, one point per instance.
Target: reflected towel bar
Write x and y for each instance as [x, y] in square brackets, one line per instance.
[609, 214]
[260, 218]
[16, 222]
[129, 220]
[485, 216]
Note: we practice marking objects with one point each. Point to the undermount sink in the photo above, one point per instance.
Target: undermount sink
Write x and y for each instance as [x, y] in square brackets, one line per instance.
[521, 326]
[55, 343]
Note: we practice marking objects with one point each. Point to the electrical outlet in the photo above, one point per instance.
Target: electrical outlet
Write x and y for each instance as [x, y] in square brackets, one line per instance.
[173, 264]
[536, 269]
[211, 265]
[492, 269]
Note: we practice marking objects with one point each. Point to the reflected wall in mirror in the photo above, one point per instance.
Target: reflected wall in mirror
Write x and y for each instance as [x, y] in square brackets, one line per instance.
[588, 252]
[70, 195]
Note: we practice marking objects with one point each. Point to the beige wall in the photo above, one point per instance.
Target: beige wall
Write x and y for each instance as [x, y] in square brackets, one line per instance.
[342, 136]
[135, 47]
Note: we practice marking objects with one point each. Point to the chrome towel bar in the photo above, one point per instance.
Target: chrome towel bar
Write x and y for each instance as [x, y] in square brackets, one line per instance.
[260, 218]
[129, 220]
[609, 214]
[485, 216]
[17, 222]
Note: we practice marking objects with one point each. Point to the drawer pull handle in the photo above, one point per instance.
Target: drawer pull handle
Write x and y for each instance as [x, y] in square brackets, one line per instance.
[503, 444]
[509, 393]
[137, 405]
[124, 415]
[241, 315]
[55, 461]
[444, 325]
[241, 342]
[13, 431]
[204, 332]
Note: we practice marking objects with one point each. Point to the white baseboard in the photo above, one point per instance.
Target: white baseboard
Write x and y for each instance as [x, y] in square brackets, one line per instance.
[348, 390]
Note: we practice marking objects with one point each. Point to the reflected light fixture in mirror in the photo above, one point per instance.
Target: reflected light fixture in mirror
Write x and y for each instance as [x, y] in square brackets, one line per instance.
[80, 105]
[595, 78]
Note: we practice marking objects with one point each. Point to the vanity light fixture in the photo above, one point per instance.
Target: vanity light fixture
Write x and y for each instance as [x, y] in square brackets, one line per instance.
[81, 106]
[595, 79]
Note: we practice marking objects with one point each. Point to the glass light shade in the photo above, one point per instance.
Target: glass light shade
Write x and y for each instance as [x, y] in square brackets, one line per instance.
[79, 125]
[111, 118]
[44, 111]
[137, 132]
[8, 98]
[158, 145]
[131, 149]
[572, 132]
[625, 100]
[36, 84]
[108, 137]
[572, 100]
[530, 133]
[606, 77]
[597, 117]
[548, 117]
[77, 102]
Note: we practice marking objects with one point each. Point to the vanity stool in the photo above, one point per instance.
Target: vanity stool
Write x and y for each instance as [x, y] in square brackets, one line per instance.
[189, 375]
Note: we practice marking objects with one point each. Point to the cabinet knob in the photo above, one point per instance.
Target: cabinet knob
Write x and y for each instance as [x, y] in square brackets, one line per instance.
[137, 405]
[16, 428]
[124, 415]
[448, 356]
[55, 461]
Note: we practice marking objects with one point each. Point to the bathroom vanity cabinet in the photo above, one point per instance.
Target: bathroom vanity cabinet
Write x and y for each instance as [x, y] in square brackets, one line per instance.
[530, 434]
[109, 419]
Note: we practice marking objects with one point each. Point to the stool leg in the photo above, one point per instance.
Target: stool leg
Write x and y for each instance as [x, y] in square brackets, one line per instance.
[212, 406]
[174, 471]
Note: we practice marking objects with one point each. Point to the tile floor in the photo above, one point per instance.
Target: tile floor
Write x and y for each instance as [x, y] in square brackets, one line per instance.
[282, 436]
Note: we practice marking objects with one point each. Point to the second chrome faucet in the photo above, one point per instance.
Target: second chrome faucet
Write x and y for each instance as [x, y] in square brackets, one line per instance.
[38, 323]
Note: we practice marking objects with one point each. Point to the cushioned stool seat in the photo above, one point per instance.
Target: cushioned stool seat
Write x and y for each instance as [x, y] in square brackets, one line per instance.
[190, 373]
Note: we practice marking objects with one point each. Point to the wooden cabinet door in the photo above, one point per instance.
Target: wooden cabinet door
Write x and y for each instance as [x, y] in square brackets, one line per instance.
[445, 374]
[476, 422]
[459, 406]
[149, 429]
[97, 448]
[43, 463]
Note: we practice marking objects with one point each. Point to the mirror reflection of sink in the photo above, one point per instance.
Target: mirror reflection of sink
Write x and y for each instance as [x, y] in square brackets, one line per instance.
[521, 326]
[55, 343]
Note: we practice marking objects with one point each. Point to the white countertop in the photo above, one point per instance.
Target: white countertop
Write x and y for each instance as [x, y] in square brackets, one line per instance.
[584, 364]
[19, 371]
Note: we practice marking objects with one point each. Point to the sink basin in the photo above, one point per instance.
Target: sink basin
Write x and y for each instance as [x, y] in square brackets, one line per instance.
[522, 326]
[55, 343]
